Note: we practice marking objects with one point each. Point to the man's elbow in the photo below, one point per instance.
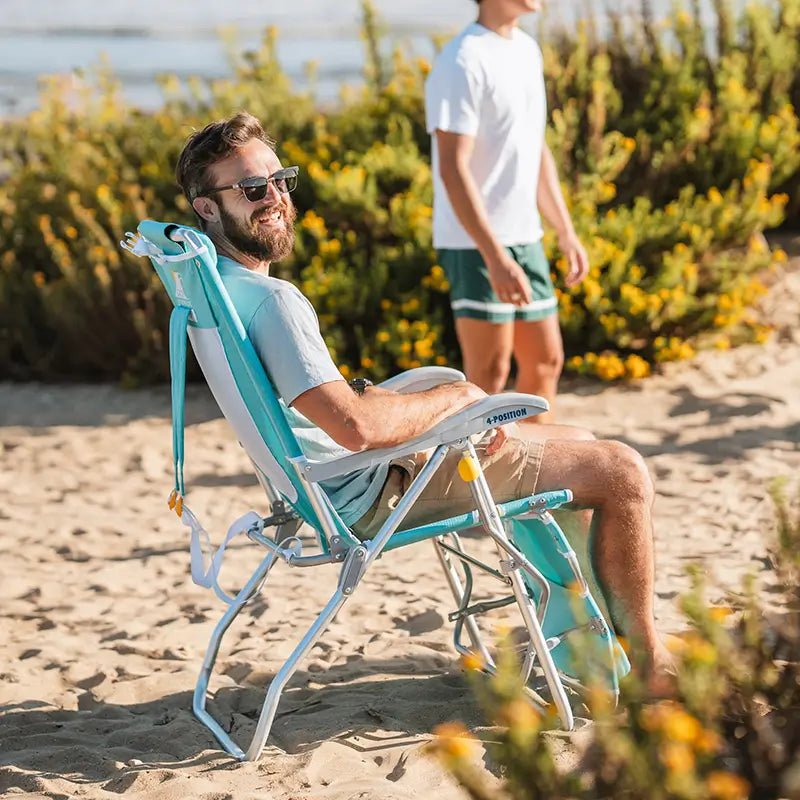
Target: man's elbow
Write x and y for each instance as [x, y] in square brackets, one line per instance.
[357, 434]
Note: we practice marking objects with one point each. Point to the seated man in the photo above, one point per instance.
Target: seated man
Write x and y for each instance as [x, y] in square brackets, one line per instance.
[239, 191]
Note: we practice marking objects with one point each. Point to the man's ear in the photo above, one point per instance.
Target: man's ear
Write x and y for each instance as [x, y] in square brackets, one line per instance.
[206, 209]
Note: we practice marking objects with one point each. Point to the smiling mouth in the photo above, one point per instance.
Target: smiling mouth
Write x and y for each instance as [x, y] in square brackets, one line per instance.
[271, 217]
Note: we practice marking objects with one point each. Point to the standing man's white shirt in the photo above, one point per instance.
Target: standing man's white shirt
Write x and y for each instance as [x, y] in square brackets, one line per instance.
[492, 89]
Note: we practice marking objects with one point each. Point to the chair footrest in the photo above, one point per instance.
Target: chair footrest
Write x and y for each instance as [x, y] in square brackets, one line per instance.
[535, 503]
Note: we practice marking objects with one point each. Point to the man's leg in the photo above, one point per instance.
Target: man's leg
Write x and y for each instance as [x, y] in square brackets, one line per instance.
[539, 353]
[486, 351]
[612, 479]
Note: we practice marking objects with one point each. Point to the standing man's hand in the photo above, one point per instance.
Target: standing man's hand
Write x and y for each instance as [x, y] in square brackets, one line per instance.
[508, 279]
[575, 254]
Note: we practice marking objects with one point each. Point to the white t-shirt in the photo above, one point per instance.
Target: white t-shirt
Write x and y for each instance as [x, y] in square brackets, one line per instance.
[492, 88]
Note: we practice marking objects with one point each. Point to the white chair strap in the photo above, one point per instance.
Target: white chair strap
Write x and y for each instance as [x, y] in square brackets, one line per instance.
[202, 552]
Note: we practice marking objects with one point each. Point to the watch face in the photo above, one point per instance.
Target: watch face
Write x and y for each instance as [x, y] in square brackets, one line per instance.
[359, 385]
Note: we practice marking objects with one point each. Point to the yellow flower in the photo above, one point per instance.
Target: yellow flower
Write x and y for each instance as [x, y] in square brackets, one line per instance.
[676, 757]
[779, 255]
[520, 715]
[636, 367]
[698, 649]
[723, 785]
[762, 333]
[39, 280]
[722, 343]
[367, 362]
[345, 370]
[708, 742]
[453, 740]
[714, 195]
[422, 347]
[609, 367]
[330, 247]
[386, 304]
[679, 726]
[383, 336]
[472, 662]
[314, 223]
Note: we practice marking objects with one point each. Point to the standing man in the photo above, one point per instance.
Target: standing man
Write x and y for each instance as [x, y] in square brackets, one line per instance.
[492, 176]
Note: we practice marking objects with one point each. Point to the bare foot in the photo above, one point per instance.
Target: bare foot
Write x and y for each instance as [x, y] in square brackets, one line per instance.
[662, 670]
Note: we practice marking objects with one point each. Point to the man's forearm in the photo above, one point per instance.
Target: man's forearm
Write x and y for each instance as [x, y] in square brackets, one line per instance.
[549, 196]
[387, 418]
[470, 209]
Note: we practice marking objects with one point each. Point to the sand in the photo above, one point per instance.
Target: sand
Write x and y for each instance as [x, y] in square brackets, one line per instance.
[104, 633]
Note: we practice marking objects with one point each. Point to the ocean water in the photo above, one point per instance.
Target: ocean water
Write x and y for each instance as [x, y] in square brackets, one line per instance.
[142, 39]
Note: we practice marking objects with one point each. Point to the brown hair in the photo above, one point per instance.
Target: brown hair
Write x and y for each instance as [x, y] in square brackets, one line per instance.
[215, 142]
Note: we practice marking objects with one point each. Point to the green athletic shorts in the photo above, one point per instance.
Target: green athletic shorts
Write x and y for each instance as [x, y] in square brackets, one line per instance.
[471, 294]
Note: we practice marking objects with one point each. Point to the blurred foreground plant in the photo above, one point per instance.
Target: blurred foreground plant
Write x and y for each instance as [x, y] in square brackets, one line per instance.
[731, 731]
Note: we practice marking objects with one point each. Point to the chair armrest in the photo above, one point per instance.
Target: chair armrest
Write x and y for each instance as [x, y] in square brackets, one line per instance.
[478, 417]
[421, 378]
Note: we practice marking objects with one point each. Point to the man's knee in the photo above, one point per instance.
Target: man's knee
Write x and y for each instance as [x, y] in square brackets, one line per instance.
[490, 373]
[627, 474]
[549, 363]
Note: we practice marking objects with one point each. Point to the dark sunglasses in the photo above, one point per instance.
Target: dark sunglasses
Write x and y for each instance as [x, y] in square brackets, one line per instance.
[255, 189]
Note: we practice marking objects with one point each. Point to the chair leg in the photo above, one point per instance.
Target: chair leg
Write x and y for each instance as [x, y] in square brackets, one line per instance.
[491, 521]
[201, 688]
[349, 577]
[457, 589]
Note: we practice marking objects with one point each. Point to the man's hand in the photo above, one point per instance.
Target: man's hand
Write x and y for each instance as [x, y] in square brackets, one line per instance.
[498, 440]
[577, 260]
[508, 279]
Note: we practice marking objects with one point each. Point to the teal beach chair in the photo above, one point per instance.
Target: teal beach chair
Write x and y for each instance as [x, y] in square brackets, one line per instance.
[537, 569]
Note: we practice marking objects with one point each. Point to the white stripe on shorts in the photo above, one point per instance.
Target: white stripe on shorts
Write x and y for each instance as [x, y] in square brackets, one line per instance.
[505, 308]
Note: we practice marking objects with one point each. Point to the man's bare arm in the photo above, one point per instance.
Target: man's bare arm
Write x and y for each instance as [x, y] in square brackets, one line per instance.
[508, 279]
[554, 209]
[380, 418]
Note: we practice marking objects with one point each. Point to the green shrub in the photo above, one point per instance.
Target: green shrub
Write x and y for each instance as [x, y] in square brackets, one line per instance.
[732, 730]
[672, 162]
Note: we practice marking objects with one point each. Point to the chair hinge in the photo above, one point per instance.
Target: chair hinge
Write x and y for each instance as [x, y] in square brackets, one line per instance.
[353, 569]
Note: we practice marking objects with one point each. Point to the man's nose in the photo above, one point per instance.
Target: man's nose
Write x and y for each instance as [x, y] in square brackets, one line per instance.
[273, 194]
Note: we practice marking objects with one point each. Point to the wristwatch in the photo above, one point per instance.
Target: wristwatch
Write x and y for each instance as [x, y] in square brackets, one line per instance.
[359, 385]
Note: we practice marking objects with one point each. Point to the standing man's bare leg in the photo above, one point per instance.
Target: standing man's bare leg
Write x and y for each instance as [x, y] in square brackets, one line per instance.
[539, 354]
[486, 349]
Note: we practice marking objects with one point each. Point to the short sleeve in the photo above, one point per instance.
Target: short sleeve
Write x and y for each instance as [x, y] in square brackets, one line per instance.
[453, 97]
[285, 333]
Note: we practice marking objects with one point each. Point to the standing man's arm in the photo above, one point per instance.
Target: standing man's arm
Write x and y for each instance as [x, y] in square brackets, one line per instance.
[554, 210]
[506, 276]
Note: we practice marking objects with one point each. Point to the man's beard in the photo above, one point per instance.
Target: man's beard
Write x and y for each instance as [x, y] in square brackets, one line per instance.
[272, 244]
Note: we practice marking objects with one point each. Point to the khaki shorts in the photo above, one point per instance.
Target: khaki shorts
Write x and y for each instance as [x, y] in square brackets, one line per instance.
[511, 473]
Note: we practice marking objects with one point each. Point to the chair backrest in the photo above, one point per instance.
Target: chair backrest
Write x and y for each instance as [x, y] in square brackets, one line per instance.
[231, 367]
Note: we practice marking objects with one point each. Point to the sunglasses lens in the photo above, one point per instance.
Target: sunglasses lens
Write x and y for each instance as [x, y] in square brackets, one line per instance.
[285, 181]
[255, 193]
